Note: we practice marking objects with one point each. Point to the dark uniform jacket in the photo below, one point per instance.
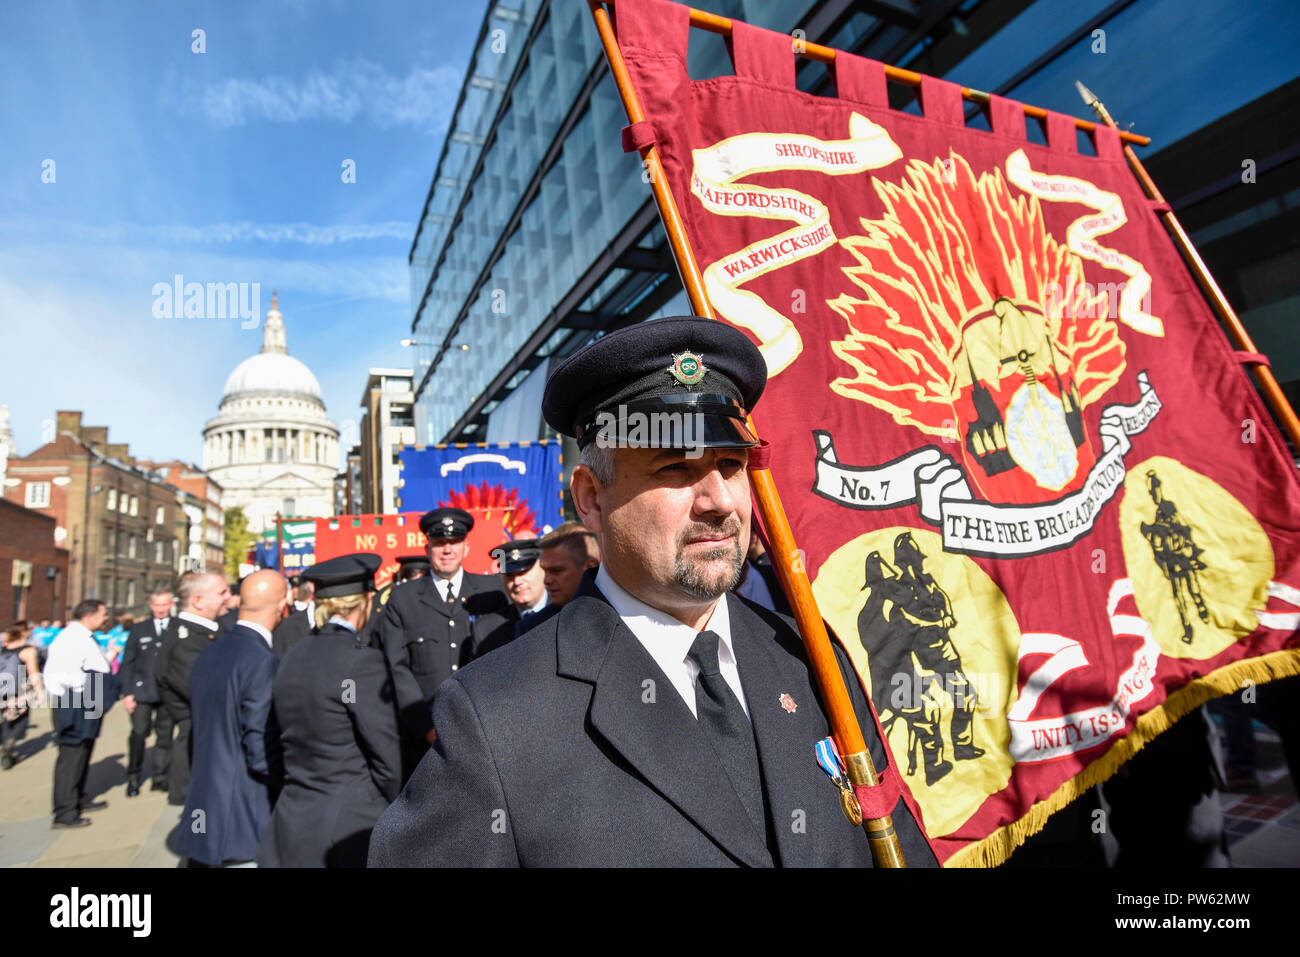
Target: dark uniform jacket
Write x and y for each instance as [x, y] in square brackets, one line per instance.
[235, 749]
[290, 631]
[136, 673]
[499, 628]
[183, 642]
[424, 640]
[342, 765]
[570, 747]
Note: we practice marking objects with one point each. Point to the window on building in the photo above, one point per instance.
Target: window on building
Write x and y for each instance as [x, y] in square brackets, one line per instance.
[38, 495]
[135, 505]
[158, 552]
[288, 508]
[130, 591]
[130, 546]
[112, 499]
[123, 502]
[159, 516]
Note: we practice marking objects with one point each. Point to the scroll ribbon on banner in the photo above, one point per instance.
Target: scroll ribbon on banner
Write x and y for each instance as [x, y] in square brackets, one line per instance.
[935, 482]
[1082, 232]
[718, 167]
[1054, 736]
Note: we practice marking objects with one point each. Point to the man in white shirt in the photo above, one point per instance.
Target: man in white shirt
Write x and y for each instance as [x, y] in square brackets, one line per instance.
[77, 681]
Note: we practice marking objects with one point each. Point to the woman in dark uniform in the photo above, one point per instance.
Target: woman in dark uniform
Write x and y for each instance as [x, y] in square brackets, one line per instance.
[337, 717]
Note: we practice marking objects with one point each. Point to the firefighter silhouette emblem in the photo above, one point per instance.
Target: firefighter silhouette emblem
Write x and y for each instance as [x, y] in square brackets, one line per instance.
[1176, 555]
[906, 629]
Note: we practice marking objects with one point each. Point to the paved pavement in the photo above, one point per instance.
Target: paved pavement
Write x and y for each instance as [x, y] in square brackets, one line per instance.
[1263, 828]
[130, 832]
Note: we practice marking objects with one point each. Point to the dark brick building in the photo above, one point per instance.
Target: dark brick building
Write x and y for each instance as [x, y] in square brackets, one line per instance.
[33, 568]
[121, 538]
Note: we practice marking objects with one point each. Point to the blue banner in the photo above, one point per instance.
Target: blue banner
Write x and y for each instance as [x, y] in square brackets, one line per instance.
[521, 483]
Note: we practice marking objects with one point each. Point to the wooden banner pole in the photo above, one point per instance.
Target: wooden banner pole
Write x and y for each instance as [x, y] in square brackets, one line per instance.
[787, 559]
[1223, 309]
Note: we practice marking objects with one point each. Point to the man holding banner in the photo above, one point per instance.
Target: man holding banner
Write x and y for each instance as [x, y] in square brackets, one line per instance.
[425, 627]
[662, 722]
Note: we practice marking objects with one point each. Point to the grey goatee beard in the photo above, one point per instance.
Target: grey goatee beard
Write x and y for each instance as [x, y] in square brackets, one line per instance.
[693, 577]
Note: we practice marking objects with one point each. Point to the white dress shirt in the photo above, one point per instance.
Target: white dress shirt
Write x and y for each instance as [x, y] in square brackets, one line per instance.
[254, 626]
[160, 625]
[72, 653]
[668, 640]
[456, 580]
[207, 623]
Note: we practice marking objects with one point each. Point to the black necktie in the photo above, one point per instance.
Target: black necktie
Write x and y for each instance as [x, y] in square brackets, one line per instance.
[451, 596]
[727, 726]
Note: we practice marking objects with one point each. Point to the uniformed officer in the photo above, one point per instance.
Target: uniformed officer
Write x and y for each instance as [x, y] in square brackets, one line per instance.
[656, 720]
[338, 728]
[523, 580]
[202, 597]
[141, 698]
[426, 625]
[409, 568]
[299, 622]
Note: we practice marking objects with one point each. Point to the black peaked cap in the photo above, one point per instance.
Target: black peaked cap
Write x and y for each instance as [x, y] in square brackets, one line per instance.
[446, 523]
[345, 575]
[663, 365]
[518, 555]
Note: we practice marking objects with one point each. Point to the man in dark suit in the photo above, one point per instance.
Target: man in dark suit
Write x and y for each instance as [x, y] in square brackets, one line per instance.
[299, 624]
[759, 582]
[140, 695]
[230, 610]
[656, 720]
[202, 597]
[426, 625]
[523, 580]
[234, 768]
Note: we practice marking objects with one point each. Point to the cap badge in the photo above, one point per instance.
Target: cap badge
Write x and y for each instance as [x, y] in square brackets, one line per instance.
[514, 554]
[687, 368]
[449, 522]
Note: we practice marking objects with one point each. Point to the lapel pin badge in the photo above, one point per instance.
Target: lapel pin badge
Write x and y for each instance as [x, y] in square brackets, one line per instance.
[788, 703]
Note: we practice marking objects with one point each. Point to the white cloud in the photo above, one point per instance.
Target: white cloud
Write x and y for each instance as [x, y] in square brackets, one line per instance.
[308, 234]
[356, 88]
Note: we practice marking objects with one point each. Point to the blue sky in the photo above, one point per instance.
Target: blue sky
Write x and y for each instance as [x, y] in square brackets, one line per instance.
[221, 166]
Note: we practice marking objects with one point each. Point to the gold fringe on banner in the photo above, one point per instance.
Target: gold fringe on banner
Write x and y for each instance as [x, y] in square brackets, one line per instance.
[997, 847]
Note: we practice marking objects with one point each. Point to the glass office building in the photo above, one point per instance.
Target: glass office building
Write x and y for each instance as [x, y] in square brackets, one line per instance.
[539, 234]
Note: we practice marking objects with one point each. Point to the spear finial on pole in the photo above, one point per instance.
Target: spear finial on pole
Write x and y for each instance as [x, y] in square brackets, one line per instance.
[1268, 384]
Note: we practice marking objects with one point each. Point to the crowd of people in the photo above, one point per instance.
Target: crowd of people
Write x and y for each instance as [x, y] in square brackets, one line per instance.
[627, 690]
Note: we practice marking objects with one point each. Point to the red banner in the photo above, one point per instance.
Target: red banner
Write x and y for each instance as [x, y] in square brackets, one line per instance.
[391, 536]
[1040, 502]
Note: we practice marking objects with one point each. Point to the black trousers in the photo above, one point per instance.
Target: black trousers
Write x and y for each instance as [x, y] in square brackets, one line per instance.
[146, 718]
[11, 732]
[178, 774]
[70, 780]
